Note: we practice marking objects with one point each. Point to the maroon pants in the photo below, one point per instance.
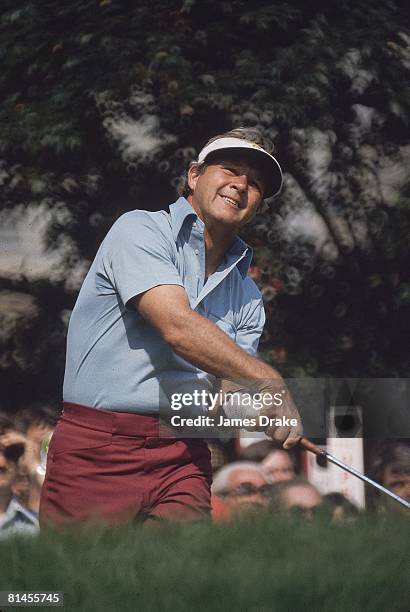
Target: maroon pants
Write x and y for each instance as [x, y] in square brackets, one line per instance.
[114, 466]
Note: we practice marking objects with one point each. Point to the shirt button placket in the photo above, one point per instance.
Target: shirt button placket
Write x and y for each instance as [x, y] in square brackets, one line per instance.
[198, 269]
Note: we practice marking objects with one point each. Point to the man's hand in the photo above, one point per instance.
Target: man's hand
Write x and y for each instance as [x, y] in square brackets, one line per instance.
[272, 401]
[281, 407]
[30, 458]
[13, 438]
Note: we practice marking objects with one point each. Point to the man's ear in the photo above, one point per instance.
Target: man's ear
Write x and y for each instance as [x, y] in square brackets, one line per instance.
[194, 172]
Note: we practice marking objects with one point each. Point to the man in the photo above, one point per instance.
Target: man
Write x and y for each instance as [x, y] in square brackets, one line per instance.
[242, 486]
[22, 488]
[166, 308]
[278, 464]
[34, 425]
[14, 518]
[391, 467]
[296, 493]
[340, 507]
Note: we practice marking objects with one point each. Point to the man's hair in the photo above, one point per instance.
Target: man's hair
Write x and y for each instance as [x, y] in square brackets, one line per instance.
[244, 133]
[37, 413]
[335, 499]
[249, 134]
[221, 479]
[5, 423]
[257, 451]
[395, 456]
[279, 489]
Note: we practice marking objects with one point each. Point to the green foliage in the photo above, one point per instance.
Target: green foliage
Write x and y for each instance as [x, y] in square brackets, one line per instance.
[271, 563]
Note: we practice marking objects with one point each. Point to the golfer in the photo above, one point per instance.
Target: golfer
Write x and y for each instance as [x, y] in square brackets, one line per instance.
[166, 308]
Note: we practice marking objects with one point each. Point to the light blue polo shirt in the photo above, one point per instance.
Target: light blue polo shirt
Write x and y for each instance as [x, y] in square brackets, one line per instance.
[115, 359]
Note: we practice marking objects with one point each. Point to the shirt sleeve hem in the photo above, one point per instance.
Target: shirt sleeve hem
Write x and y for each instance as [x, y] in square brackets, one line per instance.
[144, 288]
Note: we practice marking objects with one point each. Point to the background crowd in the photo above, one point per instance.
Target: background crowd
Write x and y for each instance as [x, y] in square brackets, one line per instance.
[257, 478]
[266, 476]
[24, 441]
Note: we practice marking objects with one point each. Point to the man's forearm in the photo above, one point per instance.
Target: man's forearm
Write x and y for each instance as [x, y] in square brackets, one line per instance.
[199, 341]
[204, 345]
[196, 338]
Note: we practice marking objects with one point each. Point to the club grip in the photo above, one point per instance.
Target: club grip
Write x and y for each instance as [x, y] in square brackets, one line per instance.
[311, 447]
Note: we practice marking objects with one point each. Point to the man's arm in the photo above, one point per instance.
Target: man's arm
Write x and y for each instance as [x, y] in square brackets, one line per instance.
[199, 341]
[196, 338]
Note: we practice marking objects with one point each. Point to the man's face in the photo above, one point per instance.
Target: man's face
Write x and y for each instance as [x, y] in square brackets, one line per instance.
[244, 488]
[228, 192]
[279, 466]
[21, 487]
[399, 483]
[301, 496]
[8, 471]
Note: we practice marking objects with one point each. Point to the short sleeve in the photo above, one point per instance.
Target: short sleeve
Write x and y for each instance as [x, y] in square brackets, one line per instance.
[138, 255]
[250, 330]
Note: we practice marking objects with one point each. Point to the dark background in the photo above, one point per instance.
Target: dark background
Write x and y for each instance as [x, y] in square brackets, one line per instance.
[104, 105]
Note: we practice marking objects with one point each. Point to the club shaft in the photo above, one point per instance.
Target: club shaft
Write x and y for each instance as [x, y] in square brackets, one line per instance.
[321, 452]
[351, 470]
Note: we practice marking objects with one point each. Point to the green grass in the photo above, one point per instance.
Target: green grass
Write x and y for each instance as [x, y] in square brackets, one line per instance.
[264, 564]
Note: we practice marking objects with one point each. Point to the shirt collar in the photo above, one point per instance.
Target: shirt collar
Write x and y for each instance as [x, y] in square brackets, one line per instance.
[15, 511]
[182, 210]
[240, 249]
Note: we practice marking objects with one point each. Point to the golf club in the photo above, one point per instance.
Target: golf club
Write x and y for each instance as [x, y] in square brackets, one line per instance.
[323, 453]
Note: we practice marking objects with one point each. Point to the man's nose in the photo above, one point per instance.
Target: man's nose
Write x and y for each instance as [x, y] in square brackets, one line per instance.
[240, 182]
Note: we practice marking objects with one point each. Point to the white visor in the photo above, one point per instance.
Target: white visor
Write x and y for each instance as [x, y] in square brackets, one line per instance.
[268, 165]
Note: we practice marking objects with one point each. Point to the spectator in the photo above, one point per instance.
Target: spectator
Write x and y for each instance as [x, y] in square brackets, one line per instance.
[242, 485]
[14, 518]
[36, 422]
[390, 467]
[296, 493]
[279, 465]
[33, 426]
[257, 451]
[340, 507]
[219, 456]
[22, 487]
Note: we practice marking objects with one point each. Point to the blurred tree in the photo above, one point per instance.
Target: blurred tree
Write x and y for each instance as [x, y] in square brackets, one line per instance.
[105, 103]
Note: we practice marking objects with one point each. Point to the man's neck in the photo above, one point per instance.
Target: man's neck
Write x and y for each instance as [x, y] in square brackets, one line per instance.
[218, 240]
[216, 245]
